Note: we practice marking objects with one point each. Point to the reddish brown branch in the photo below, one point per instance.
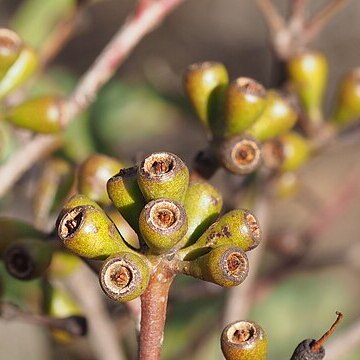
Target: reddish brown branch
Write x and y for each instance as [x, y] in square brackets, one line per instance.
[322, 18]
[153, 314]
[273, 18]
[118, 49]
[319, 343]
[135, 28]
[63, 32]
[291, 36]
[344, 343]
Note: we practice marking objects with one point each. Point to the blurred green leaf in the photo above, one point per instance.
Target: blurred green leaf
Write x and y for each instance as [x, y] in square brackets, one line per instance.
[302, 307]
[127, 113]
[35, 19]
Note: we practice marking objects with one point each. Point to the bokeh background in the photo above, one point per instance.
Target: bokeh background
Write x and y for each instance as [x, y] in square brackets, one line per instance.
[143, 109]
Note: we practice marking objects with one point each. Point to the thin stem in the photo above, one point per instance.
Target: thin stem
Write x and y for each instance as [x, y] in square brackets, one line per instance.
[273, 18]
[153, 313]
[63, 32]
[319, 343]
[115, 53]
[29, 154]
[343, 344]
[318, 22]
[10, 312]
[298, 8]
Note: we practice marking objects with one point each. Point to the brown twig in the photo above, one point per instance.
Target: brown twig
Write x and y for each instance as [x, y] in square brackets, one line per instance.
[9, 312]
[29, 154]
[291, 36]
[345, 343]
[153, 313]
[317, 345]
[63, 32]
[322, 18]
[135, 28]
[273, 18]
[117, 50]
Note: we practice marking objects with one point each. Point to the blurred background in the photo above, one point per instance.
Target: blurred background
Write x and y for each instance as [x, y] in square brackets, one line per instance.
[143, 109]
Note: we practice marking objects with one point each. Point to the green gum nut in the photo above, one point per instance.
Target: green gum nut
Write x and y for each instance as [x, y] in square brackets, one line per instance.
[204, 85]
[202, 205]
[308, 76]
[287, 185]
[124, 192]
[278, 117]
[163, 175]
[226, 265]
[244, 340]
[58, 304]
[12, 230]
[237, 227]
[10, 47]
[296, 151]
[124, 276]
[93, 175]
[286, 153]
[63, 264]
[239, 154]
[27, 259]
[163, 223]
[23, 67]
[41, 115]
[245, 100]
[348, 99]
[86, 230]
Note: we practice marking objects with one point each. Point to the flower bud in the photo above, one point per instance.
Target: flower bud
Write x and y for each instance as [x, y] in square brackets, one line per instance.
[204, 84]
[41, 115]
[124, 276]
[124, 192]
[93, 175]
[10, 47]
[244, 340]
[163, 175]
[27, 259]
[202, 205]
[348, 99]
[87, 231]
[277, 118]
[245, 100]
[23, 67]
[308, 75]
[163, 223]
[227, 266]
